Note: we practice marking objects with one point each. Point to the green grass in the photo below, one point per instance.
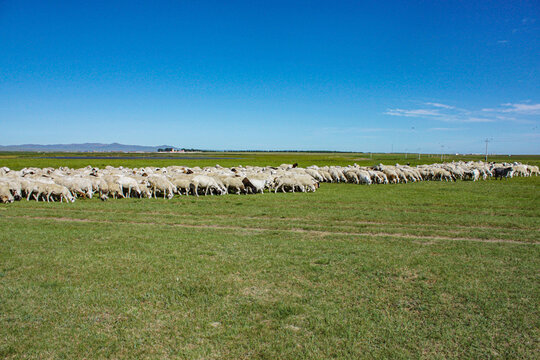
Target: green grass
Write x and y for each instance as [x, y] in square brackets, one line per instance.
[422, 270]
[16, 161]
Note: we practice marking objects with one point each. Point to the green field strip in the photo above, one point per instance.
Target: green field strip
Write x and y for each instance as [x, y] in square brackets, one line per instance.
[130, 288]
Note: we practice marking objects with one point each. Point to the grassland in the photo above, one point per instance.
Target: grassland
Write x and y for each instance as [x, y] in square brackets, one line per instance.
[17, 161]
[423, 270]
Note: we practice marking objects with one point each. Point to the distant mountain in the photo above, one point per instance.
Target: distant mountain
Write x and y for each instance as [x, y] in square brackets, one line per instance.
[87, 147]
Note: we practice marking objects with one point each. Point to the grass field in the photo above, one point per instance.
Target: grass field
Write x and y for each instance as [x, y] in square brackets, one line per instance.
[418, 270]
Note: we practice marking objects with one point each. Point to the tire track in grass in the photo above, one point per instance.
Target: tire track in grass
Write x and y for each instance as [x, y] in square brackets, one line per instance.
[294, 230]
[348, 227]
[446, 227]
[434, 208]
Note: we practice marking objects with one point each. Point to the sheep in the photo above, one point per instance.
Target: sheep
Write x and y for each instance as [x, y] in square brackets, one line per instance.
[520, 170]
[114, 190]
[49, 184]
[363, 177]
[306, 182]
[159, 183]
[14, 186]
[39, 189]
[5, 194]
[234, 184]
[392, 176]
[351, 176]
[76, 185]
[301, 182]
[377, 177]
[440, 174]
[473, 175]
[254, 185]
[315, 174]
[283, 183]
[501, 172]
[205, 182]
[59, 191]
[129, 184]
[182, 183]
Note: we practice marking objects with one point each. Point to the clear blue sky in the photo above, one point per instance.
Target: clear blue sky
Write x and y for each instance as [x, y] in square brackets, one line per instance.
[337, 75]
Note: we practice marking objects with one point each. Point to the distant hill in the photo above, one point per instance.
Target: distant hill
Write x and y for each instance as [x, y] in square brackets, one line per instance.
[86, 147]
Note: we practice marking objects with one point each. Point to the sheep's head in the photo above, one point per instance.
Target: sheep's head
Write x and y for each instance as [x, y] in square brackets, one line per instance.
[8, 198]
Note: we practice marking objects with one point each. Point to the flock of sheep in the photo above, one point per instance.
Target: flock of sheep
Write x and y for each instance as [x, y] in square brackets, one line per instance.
[65, 184]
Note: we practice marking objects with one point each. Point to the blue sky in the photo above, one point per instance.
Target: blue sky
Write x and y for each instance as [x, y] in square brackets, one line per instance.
[410, 76]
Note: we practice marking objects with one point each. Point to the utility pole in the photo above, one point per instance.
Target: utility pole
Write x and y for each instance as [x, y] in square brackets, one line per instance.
[487, 142]
[442, 152]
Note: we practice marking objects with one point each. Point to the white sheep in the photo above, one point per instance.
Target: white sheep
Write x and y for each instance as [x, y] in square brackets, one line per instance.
[5, 194]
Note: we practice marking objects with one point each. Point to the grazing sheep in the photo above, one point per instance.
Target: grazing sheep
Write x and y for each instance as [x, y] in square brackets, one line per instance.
[284, 183]
[473, 175]
[5, 194]
[500, 172]
[50, 184]
[254, 186]
[351, 176]
[160, 184]
[60, 192]
[533, 170]
[182, 183]
[206, 183]
[129, 184]
[234, 184]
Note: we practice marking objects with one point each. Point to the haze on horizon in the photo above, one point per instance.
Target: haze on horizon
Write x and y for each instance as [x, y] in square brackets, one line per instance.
[347, 75]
